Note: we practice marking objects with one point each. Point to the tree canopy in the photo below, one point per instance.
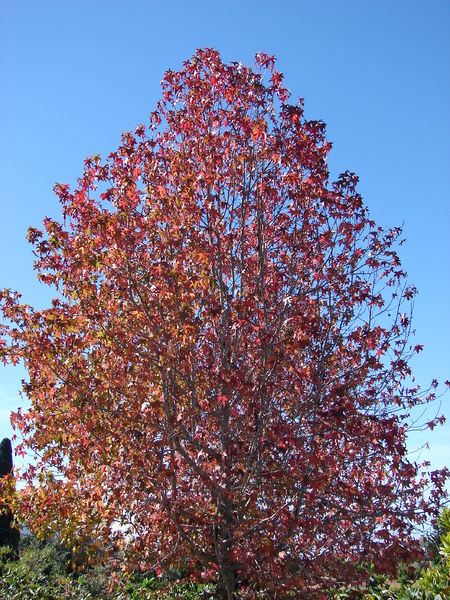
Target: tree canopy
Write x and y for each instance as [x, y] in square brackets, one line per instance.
[223, 376]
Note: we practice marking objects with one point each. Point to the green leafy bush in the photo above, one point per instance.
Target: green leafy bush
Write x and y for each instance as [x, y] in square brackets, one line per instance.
[45, 572]
[433, 582]
[41, 572]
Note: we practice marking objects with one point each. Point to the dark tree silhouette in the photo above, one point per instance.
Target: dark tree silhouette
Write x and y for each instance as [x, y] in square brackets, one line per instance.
[8, 535]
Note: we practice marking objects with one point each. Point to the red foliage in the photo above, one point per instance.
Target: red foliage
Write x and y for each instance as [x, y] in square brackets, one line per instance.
[224, 371]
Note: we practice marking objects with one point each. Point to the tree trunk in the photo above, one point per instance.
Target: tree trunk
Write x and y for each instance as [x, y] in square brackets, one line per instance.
[227, 585]
[224, 546]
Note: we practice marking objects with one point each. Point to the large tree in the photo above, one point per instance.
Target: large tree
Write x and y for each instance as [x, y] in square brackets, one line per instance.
[222, 379]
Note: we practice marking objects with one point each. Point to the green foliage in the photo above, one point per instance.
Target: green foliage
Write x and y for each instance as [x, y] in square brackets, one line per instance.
[41, 572]
[433, 582]
[44, 572]
[154, 588]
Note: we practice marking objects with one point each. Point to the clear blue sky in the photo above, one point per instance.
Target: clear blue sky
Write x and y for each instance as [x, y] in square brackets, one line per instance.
[75, 74]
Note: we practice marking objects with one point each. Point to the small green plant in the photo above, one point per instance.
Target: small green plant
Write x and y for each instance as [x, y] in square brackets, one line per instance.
[433, 582]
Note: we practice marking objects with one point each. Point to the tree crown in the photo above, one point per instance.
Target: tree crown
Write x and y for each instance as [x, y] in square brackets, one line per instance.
[224, 372]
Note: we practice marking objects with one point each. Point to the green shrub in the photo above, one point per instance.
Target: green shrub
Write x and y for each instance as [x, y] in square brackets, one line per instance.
[433, 582]
[44, 572]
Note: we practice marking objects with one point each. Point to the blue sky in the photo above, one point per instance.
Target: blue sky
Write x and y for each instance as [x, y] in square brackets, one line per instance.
[76, 74]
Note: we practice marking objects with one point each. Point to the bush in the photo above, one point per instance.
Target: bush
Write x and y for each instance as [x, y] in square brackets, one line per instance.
[434, 581]
[46, 571]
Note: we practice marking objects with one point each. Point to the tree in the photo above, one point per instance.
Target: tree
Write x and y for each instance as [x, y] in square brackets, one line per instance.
[8, 535]
[223, 376]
